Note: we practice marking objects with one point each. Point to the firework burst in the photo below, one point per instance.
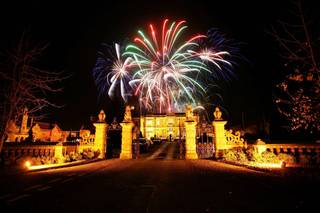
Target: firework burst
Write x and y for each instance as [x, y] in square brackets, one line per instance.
[163, 70]
[112, 71]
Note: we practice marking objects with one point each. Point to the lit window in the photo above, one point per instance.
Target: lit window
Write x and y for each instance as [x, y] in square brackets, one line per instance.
[149, 122]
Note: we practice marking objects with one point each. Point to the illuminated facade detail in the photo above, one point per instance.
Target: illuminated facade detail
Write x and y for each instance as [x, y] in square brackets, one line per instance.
[100, 140]
[234, 140]
[86, 137]
[163, 125]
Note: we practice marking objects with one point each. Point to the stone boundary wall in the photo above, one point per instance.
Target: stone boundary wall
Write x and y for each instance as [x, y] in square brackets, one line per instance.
[19, 149]
[39, 149]
[289, 148]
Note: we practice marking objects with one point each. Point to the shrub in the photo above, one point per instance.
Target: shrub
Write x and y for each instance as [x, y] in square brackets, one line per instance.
[287, 158]
[78, 156]
[253, 155]
[84, 154]
[72, 156]
[67, 158]
[88, 154]
[57, 160]
[36, 161]
[45, 160]
[96, 153]
[269, 157]
[242, 157]
[230, 155]
[235, 155]
[250, 153]
[264, 157]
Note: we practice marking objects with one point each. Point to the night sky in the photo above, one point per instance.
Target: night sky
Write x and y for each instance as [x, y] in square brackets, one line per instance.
[75, 31]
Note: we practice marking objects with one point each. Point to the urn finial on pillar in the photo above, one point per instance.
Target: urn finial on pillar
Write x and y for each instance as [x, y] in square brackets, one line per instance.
[127, 114]
[102, 116]
[189, 113]
[217, 114]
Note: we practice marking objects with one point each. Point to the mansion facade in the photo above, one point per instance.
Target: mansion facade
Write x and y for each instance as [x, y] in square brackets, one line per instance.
[171, 126]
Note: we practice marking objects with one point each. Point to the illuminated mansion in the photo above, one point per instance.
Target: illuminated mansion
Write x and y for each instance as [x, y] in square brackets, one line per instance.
[169, 126]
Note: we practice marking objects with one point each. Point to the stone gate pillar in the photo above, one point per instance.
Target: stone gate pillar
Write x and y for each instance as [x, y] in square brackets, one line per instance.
[219, 130]
[126, 139]
[190, 125]
[100, 138]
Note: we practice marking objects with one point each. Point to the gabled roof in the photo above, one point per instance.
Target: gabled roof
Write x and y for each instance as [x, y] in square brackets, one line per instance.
[45, 125]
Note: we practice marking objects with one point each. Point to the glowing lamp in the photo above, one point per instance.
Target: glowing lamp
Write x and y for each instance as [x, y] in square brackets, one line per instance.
[27, 164]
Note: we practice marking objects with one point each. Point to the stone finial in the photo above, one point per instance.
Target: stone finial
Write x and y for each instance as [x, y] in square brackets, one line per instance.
[102, 116]
[127, 114]
[189, 113]
[217, 114]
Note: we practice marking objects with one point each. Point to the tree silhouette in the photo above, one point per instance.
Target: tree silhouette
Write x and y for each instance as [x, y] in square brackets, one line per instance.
[297, 94]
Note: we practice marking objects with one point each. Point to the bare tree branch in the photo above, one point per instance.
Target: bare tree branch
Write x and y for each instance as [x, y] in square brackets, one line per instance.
[24, 84]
